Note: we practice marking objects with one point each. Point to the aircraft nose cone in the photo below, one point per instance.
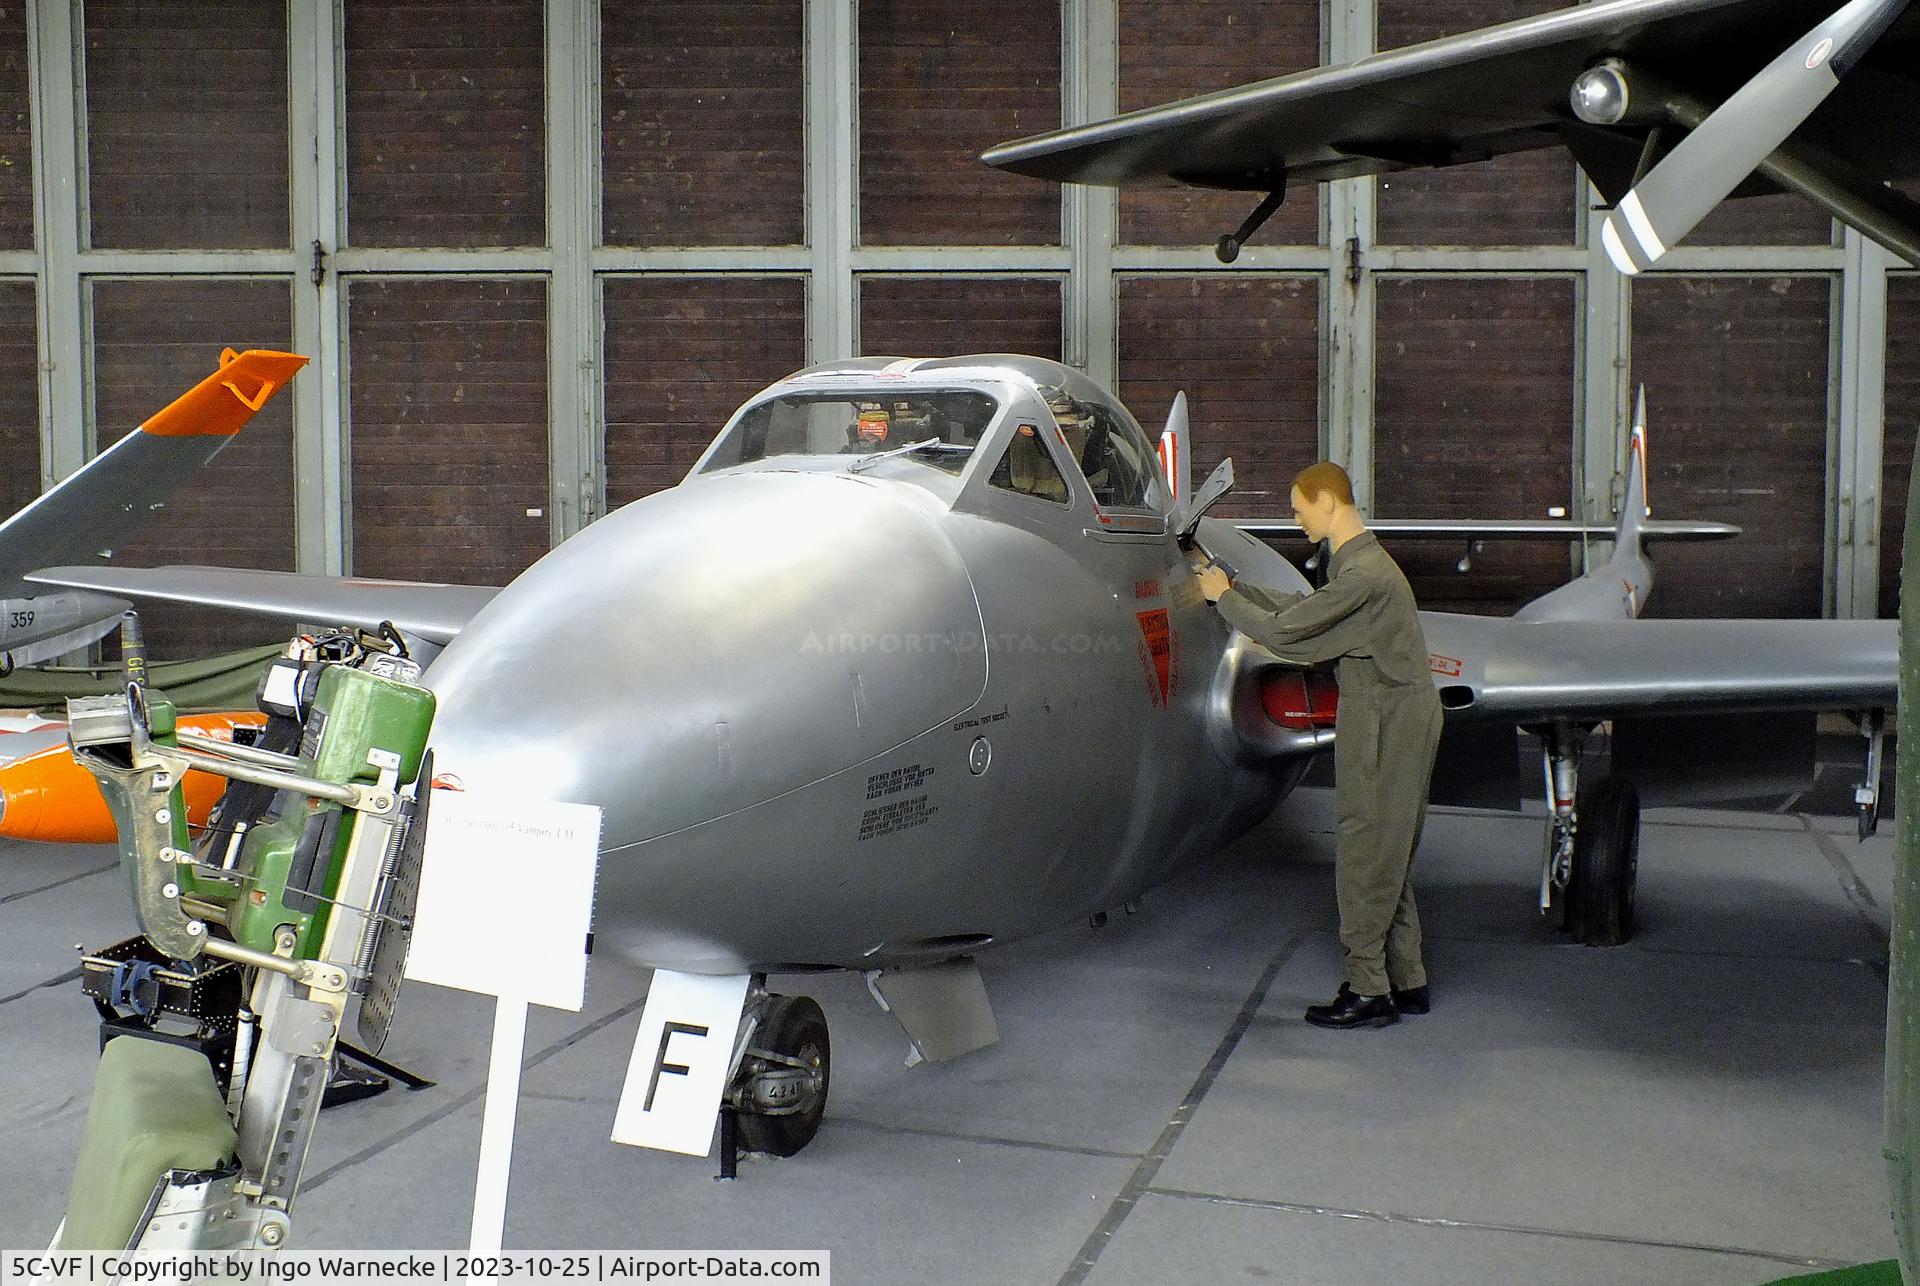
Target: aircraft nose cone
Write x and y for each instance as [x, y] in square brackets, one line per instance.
[711, 647]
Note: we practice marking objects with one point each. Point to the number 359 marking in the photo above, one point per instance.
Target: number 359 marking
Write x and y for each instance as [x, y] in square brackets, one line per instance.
[19, 620]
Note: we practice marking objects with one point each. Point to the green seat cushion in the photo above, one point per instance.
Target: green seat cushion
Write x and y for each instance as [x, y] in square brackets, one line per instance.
[156, 1107]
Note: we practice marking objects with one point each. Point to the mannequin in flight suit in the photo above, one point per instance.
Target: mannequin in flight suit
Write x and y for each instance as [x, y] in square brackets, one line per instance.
[1385, 735]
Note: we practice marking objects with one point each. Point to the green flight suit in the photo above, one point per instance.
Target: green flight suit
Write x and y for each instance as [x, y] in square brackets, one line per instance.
[1385, 736]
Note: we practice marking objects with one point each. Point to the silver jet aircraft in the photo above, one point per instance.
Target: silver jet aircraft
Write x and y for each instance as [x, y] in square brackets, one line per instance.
[914, 662]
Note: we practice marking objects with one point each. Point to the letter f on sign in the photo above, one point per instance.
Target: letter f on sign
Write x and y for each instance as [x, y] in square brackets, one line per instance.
[660, 1063]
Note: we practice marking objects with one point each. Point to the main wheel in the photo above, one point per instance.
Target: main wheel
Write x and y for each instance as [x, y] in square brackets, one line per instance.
[1606, 861]
[795, 1032]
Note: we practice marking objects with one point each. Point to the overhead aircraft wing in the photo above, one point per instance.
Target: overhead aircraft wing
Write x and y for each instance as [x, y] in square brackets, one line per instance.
[1503, 529]
[118, 491]
[1518, 671]
[1487, 92]
[431, 612]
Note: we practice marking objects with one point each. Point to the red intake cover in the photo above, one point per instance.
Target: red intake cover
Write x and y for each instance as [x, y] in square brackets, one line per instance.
[1300, 699]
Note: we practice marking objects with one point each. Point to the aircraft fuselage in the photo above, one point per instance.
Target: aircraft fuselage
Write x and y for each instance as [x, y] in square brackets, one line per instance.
[852, 719]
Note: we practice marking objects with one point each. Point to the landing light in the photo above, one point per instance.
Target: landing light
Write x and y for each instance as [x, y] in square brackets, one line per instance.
[1600, 94]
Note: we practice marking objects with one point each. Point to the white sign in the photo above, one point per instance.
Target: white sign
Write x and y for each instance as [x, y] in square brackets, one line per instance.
[671, 1100]
[506, 897]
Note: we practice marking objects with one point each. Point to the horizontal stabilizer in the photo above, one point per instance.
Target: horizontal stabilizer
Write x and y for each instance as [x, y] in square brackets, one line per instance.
[431, 612]
[1504, 529]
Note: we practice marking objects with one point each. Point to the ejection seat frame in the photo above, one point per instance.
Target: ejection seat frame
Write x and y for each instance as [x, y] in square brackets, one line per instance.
[343, 892]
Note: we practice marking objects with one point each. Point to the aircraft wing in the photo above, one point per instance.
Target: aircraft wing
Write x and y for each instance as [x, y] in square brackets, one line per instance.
[120, 489]
[1488, 92]
[431, 612]
[1521, 671]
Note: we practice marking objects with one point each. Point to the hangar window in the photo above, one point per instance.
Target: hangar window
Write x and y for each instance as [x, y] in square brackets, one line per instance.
[1027, 467]
[1113, 453]
[947, 424]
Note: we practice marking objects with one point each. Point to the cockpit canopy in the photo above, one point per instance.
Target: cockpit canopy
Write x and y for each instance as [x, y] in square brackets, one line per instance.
[940, 413]
[944, 424]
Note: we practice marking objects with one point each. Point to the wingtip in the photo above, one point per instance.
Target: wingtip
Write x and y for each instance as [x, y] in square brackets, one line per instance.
[1617, 250]
[223, 402]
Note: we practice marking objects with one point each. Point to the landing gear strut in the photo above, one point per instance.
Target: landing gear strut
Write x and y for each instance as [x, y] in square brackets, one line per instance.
[1593, 847]
[1866, 795]
[778, 1092]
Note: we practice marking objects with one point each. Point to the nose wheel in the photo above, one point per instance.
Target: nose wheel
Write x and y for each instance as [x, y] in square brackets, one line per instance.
[779, 1095]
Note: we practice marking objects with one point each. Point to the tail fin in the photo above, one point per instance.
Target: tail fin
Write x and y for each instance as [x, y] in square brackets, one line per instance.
[119, 489]
[1634, 510]
[1174, 460]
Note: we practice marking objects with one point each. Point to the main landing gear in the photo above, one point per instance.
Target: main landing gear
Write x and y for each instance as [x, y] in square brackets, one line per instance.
[782, 1063]
[1593, 846]
[1866, 794]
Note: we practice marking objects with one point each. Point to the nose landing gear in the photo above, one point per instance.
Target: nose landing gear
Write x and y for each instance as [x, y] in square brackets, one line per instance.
[778, 1093]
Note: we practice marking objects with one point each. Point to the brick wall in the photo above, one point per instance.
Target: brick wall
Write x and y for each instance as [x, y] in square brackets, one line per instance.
[1736, 376]
[1246, 349]
[448, 451]
[682, 353]
[16, 132]
[445, 104]
[948, 316]
[1473, 418]
[939, 84]
[703, 142]
[186, 124]
[19, 398]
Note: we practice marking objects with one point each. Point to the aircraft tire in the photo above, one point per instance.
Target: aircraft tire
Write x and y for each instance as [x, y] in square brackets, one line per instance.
[794, 1027]
[1606, 862]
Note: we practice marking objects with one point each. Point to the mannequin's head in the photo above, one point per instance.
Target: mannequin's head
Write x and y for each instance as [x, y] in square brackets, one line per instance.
[1322, 498]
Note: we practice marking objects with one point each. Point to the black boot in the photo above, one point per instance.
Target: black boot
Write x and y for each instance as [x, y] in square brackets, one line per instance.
[1413, 1000]
[1350, 1009]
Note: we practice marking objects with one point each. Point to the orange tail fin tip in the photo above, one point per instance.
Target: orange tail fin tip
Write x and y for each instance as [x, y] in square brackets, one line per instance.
[223, 402]
[50, 798]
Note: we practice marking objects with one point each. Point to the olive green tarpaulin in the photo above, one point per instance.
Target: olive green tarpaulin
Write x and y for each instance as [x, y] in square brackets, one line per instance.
[225, 682]
[1886, 1273]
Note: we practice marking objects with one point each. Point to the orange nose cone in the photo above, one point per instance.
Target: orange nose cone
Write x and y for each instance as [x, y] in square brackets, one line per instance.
[50, 798]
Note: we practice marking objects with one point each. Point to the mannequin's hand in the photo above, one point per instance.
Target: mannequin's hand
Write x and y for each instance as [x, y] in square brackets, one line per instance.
[1214, 583]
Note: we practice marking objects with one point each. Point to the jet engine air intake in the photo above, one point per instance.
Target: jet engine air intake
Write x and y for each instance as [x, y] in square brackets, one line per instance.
[1299, 699]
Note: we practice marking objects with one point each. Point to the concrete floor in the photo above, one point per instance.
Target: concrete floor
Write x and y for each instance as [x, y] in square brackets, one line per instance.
[1700, 1107]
